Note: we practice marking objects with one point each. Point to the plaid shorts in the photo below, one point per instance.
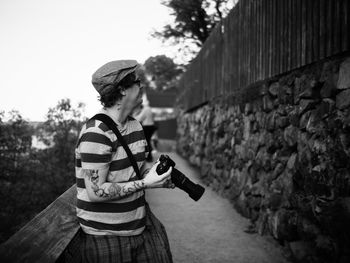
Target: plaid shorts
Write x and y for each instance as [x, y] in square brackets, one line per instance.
[151, 246]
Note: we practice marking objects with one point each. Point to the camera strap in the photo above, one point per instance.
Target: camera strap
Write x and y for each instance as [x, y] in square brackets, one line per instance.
[113, 126]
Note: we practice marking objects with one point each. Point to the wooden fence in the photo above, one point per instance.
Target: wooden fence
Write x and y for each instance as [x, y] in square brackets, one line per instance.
[260, 39]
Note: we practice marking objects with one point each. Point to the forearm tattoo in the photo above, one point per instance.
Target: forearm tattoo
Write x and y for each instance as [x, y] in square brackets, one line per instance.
[135, 186]
[115, 189]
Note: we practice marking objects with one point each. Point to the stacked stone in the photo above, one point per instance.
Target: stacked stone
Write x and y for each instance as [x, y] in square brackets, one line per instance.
[283, 159]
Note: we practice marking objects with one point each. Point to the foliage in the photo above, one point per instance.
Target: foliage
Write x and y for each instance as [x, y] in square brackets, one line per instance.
[15, 147]
[34, 178]
[194, 20]
[60, 132]
[162, 71]
[15, 142]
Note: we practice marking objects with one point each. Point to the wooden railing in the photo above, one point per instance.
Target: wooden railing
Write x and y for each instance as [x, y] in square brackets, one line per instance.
[47, 236]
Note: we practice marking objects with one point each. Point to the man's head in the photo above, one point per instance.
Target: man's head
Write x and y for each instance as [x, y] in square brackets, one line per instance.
[113, 78]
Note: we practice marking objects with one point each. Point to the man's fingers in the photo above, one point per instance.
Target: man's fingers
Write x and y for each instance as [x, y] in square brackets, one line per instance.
[154, 167]
[171, 185]
[168, 183]
[166, 174]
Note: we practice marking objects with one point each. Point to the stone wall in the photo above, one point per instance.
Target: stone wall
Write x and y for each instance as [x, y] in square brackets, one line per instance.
[280, 151]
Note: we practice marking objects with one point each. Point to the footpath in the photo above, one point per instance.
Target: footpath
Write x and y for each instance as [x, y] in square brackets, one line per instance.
[209, 230]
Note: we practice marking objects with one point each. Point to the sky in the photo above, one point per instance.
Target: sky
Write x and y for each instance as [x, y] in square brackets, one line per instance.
[50, 48]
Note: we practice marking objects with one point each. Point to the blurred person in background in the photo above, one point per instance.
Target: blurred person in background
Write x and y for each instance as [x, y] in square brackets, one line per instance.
[145, 117]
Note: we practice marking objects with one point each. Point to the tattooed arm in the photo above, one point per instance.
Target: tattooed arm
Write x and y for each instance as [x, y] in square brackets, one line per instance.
[99, 190]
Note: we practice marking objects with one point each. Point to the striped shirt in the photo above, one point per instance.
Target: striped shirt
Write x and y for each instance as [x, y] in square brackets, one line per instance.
[99, 148]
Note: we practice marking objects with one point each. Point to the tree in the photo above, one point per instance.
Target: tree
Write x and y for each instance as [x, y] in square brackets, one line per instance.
[194, 20]
[15, 143]
[33, 178]
[162, 71]
[60, 133]
[17, 183]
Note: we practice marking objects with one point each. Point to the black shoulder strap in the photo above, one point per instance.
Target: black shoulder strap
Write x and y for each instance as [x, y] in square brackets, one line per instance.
[113, 126]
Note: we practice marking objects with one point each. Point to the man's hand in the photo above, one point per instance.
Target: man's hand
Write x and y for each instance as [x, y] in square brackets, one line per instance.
[154, 180]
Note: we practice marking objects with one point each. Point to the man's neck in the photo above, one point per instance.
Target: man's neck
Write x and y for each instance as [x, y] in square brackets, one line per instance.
[118, 113]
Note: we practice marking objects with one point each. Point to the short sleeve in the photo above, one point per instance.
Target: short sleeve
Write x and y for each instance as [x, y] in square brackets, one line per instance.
[95, 149]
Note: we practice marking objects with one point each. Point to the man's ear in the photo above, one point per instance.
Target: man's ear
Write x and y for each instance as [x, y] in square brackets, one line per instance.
[122, 91]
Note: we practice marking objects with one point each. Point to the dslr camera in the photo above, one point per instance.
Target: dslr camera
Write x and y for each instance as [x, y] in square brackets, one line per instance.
[195, 191]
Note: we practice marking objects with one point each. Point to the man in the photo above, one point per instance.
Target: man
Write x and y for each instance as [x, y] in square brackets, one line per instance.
[111, 205]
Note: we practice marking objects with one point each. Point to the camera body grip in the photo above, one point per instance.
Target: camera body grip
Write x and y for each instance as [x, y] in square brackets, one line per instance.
[165, 164]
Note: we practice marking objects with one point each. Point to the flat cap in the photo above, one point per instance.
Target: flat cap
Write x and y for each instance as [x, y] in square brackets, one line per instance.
[111, 73]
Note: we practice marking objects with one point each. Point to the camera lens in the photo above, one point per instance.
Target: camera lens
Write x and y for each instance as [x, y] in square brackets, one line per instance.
[195, 191]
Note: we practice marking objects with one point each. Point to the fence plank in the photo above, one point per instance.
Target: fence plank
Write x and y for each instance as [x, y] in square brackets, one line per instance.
[308, 48]
[316, 30]
[337, 27]
[273, 38]
[244, 42]
[261, 41]
[329, 27]
[293, 34]
[265, 65]
[323, 45]
[269, 35]
[236, 50]
[303, 32]
[240, 43]
[346, 25]
[283, 45]
[289, 35]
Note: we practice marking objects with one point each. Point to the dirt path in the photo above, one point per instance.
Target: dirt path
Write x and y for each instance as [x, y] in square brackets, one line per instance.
[209, 230]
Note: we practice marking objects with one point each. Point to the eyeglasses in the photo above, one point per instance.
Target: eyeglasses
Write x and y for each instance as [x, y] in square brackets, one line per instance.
[137, 82]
